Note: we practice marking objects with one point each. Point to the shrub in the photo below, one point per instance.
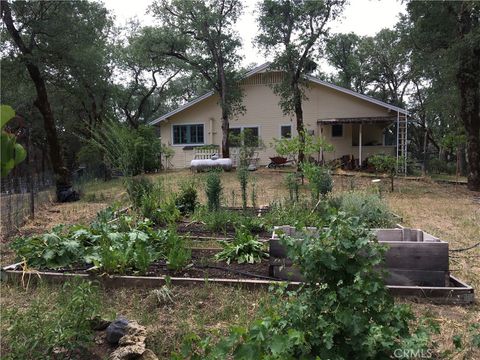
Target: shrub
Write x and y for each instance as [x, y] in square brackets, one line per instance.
[386, 164]
[291, 182]
[344, 310]
[137, 188]
[178, 255]
[369, 208]
[46, 331]
[219, 221]
[319, 180]
[213, 190]
[245, 248]
[242, 175]
[187, 198]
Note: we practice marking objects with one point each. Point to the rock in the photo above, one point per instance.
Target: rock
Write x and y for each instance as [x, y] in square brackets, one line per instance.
[132, 344]
[116, 330]
[148, 355]
[128, 352]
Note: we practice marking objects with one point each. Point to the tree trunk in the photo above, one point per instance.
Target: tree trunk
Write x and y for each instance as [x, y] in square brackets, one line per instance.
[225, 111]
[300, 126]
[425, 152]
[62, 175]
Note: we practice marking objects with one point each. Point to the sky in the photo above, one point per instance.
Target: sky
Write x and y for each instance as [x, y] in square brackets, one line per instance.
[363, 17]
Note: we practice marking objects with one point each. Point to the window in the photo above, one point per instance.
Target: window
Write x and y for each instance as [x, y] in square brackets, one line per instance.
[188, 134]
[337, 130]
[234, 136]
[251, 136]
[286, 131]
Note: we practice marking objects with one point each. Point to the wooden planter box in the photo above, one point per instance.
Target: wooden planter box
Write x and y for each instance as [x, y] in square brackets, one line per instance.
[413, 257]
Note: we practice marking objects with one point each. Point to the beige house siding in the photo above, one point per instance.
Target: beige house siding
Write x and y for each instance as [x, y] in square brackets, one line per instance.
[263, 110]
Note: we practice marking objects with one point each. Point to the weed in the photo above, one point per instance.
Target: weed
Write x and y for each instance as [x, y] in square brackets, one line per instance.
[245, 248]
[213, 190]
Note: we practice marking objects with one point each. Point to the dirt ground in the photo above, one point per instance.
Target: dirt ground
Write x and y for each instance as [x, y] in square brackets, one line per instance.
[450, 212]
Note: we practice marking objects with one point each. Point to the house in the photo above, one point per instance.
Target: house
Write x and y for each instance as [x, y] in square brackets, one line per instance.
[355, 124]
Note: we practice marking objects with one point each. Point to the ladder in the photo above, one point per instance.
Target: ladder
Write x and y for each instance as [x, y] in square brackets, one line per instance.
[402, 143]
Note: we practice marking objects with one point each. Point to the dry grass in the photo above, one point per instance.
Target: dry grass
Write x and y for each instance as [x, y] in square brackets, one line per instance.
[449, 212]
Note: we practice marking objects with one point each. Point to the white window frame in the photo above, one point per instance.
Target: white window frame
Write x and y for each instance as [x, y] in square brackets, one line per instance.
[189, 124]
[280, 131]
[337, 137]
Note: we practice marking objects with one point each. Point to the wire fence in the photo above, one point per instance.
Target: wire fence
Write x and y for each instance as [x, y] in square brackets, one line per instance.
[20, 197]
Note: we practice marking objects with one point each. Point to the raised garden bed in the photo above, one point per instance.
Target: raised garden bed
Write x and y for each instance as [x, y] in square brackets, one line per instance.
[413, 257]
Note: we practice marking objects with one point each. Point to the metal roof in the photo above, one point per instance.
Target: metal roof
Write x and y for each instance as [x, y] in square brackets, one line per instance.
[265, 66]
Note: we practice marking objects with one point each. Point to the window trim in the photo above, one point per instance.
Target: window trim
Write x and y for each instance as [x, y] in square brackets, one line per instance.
[291, 131]
[189, 124]
[337, 137]
[242, 127]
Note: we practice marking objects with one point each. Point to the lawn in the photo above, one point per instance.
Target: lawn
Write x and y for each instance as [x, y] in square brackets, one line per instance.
[449, 212]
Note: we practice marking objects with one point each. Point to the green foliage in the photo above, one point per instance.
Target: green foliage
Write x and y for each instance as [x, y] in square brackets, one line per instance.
[438, 166]
[369, 208]
[291, 182]
[186, 199]
[386, 164]
[178, 255]
[311, 145]
[344, 310]
[222, 221]
[245, 248]
[46, 327]
[12, 153]
[243, 175]
[137, 188]
[213, 190]
[113, 247]
[298, 214]
[319, 180]
[132, 151]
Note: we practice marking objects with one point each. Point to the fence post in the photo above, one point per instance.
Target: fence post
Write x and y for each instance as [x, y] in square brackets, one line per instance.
[30, 185]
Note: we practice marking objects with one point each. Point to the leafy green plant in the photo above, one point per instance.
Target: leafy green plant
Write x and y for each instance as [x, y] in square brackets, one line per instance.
[213, 190]
[319, 180]
[245, 248]
[291, 182]
[343, 311]
[178, 255]
[243, 175]
[12, 152]
[53, 330]
[137, 188]
[186, 199]
[386, 164]
[369, 208]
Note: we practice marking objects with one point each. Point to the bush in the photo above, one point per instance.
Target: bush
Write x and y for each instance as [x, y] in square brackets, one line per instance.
[137, 188]
[132, 151]
[245, 248]
[386, 164]
[437, 166]
[242, 175]
[186, 200]
[291, 182]
[213, 190]
[369, 208]
[319, 180]
[178, 255]
[53, 330]
[344, 310]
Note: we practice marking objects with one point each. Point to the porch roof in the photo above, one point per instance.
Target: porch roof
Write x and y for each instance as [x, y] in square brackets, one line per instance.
[358, 120]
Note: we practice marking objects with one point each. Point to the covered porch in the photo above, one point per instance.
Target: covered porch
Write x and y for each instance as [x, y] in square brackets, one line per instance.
[358, 138]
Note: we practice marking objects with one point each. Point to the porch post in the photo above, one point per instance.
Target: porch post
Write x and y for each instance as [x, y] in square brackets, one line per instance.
[360, 146]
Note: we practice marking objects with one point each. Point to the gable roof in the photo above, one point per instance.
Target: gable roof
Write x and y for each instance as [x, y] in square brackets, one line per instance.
[265, 66]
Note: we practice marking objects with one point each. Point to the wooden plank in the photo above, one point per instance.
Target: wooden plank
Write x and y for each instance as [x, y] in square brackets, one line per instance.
[458, 293]
[417, 255]
[416, 277]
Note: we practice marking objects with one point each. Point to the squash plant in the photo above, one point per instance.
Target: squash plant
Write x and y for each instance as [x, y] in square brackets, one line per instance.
[12, 153]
